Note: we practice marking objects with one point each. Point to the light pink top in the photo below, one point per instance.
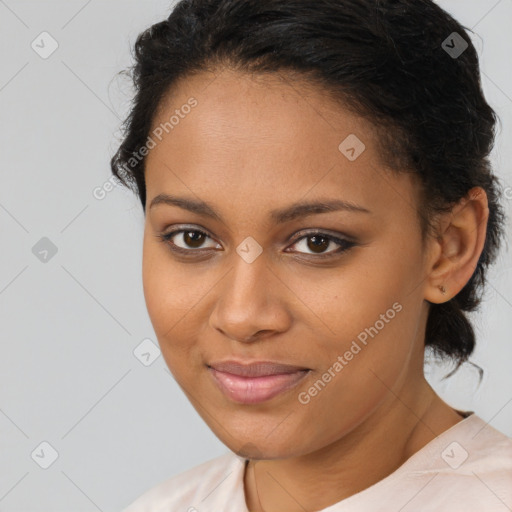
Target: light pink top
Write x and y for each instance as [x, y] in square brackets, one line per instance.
[467, 468]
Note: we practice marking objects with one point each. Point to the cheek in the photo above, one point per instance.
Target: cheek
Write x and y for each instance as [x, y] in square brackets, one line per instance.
[360, 370]
[374, 319]
[174, 297]
[375, 343]
[156, 285]
[166, 297]
[362, 296]
[167, 292]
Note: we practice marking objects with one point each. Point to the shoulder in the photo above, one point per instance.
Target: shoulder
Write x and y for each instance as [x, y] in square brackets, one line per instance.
[473, 468]
[189, 489]
[487, 450]
[488, 461]
[468, 467]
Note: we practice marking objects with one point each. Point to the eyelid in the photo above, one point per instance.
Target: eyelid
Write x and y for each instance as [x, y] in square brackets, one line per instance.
[318, 231]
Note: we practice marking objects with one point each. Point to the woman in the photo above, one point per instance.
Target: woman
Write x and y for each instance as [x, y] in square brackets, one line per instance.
[319, 209]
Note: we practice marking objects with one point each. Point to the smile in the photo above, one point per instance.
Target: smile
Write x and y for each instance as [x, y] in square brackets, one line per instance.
[255, 389]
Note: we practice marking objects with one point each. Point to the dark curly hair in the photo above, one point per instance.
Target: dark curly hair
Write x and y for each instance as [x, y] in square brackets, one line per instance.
[386, 60]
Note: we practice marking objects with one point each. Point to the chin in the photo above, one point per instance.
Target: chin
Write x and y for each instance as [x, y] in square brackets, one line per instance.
[251, 451]
[263, 449]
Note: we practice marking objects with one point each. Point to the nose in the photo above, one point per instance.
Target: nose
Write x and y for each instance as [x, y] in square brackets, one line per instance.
[251, 303]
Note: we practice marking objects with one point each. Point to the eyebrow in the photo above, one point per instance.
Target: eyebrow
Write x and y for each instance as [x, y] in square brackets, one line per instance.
[279, 216]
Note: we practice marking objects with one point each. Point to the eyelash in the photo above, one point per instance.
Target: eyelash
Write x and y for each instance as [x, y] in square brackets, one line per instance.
[345, 245]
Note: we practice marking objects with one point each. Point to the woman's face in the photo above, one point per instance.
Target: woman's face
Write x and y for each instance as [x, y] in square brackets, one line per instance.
[340, 292]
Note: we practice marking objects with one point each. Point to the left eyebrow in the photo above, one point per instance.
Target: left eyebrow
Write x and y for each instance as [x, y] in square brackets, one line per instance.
[304, 209]
[279, 216]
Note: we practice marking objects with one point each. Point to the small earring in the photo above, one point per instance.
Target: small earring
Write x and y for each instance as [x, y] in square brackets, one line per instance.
[443, 289]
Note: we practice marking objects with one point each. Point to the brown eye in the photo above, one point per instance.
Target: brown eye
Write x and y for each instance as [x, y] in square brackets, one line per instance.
[193, 238]
[186, 240]
[318, 243]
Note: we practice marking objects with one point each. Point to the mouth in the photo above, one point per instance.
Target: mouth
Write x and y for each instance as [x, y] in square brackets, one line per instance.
[256, 382]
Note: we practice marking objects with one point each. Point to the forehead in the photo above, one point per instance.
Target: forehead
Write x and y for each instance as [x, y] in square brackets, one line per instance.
[252, 104]
[261, 136]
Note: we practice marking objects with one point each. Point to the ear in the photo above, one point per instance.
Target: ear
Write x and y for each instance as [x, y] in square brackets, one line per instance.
[454, 255]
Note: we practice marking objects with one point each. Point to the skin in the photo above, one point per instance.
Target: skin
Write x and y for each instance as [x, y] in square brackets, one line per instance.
[251, 145]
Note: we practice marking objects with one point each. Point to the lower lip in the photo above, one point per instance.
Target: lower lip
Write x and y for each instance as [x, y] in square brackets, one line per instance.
[253, 390]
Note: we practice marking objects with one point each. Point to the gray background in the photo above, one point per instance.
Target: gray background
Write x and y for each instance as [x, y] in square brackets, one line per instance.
[70, 325]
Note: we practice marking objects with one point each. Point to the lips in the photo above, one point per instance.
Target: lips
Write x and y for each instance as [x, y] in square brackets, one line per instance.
[256, 369]
[255, 382]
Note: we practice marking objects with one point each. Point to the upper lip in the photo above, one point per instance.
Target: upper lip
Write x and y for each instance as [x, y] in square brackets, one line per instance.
[255, 369]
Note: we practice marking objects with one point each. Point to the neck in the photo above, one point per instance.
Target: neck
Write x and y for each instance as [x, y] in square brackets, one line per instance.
[367, 454]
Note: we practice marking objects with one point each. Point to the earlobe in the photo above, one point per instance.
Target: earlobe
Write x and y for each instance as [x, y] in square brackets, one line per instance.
[459, 245]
